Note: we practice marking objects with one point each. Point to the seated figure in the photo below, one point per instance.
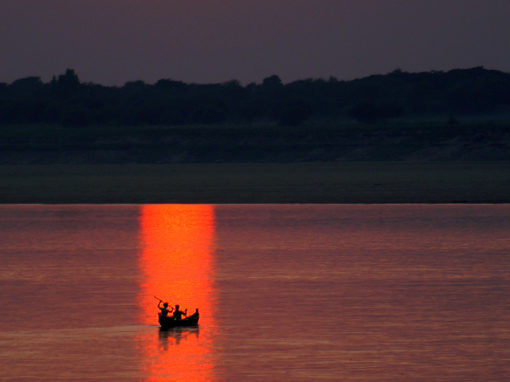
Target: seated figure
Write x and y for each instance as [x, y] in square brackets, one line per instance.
[178, 313]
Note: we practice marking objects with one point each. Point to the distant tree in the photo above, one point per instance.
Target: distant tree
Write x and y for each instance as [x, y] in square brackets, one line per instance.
[26, 86]
[134, 85]
[167, 84]
[232, 84]
[293, 113]
[66, 84]
[272, 82]
[371, 112]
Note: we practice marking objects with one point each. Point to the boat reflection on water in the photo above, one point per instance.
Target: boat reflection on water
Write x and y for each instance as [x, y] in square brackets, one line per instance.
[176, 263]
[173, 337]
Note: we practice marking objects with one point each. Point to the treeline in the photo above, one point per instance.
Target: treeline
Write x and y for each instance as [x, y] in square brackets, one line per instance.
[68, 101]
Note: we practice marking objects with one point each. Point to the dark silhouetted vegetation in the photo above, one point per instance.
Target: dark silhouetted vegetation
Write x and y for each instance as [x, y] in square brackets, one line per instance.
[67, 101]
[377, 118]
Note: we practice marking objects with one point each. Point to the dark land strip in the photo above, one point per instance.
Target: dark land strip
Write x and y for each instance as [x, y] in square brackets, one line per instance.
[298, 182]
[311, 163]
[431, 137]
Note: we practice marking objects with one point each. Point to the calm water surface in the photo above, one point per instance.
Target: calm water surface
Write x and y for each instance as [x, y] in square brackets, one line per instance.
[295, 292]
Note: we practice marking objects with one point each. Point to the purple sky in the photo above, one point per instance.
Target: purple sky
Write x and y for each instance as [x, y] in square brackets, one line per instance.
[114, 41]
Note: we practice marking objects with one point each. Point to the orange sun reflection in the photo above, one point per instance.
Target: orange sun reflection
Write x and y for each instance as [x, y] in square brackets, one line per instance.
[176, 264]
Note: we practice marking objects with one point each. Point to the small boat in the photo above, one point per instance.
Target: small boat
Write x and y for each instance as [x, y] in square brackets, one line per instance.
[171, 322]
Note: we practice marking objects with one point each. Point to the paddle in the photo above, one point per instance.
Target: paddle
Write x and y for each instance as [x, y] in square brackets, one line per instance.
[160, 300]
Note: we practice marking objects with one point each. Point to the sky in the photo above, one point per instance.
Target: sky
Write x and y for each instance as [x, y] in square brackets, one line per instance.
[208, 41]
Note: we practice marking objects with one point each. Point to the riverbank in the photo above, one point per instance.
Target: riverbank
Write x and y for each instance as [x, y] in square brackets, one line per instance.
[265, 143]
[298, 182]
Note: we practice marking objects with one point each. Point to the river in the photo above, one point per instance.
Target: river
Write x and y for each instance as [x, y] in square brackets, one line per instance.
[295, 292]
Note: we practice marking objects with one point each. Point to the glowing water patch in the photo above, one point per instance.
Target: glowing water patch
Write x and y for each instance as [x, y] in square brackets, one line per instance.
[176, 263]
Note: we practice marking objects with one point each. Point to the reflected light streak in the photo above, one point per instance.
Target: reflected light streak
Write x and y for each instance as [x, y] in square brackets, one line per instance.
[176, 264]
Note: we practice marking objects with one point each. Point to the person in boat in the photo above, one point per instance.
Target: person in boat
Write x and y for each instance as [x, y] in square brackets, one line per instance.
[164, 310]
[179, 313]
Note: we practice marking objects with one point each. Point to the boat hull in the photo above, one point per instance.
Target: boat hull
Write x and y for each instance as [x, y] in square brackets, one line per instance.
[170, 322]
